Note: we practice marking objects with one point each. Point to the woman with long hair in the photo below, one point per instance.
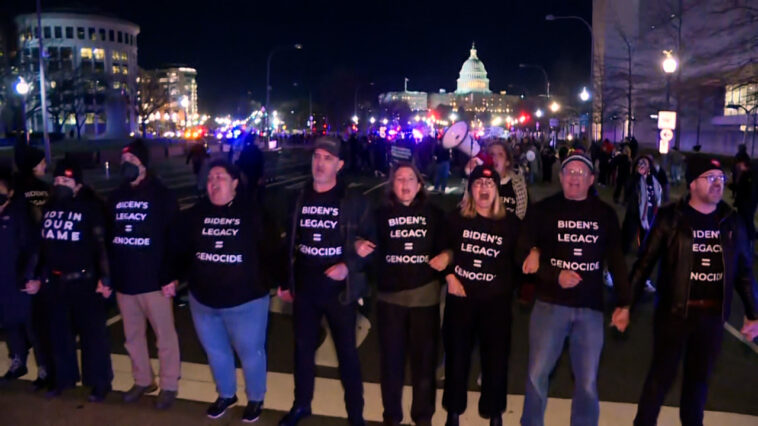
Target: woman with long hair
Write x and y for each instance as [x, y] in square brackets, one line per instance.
[481, 240]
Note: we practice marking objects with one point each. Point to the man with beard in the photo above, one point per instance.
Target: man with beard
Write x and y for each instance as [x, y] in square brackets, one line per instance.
[76, 278]
[142, 212]
[481, 241]
[326, 277]
[705, 256]
[569, 237]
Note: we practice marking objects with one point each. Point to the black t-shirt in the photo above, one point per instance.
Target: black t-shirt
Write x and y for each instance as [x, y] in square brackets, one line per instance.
[141, 219]
[407, 238]
[707, 275]
[483, 253]
[319, 241]
[225, 245]
[579, 236]
[508, 195]
[73, 233]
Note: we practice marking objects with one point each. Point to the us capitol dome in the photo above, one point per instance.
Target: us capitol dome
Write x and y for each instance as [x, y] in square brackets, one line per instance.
[473, 76]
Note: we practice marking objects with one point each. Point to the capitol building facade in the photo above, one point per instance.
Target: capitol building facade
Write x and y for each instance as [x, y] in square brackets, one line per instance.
[472, 93]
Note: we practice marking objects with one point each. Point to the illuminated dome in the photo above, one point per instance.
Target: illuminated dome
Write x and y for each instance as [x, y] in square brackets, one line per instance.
[473, 76]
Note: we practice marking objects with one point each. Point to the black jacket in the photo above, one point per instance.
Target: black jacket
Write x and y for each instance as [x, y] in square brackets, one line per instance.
[355, 221]
[670, 240]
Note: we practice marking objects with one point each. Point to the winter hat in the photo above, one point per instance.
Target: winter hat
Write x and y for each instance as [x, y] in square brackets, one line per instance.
[483, 172]
[699, 164]
[328, 144]
[579, 157]
[139, 150]
[27, 157]
[68, 168]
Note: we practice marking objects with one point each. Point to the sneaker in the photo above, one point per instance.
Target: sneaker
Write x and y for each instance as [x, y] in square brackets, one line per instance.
[252, 411]
[218, 408]
[16, 370]
[98, 394]
[294, 416]
[165, 399]
[136, 392]
[649, 287]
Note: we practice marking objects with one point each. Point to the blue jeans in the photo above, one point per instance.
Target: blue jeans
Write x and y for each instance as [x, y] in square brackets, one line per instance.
[549, 326]
[440, 178]
[242, 329]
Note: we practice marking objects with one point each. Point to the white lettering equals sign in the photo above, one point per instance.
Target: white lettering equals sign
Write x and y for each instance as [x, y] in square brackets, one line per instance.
[219, 244]
[128, 228]
[316, 237]
[409, 246]
[477, 263]
[577, 252]
[705, 261]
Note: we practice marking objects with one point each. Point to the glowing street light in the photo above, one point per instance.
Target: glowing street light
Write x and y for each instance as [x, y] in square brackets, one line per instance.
[669, 65]
[538, 113]
[584, 95]
[554, 107]
[417, 118]
[453, 116]
[372, 120]
[355, 119]
[185, 104]
[22, 88]
[385, 121]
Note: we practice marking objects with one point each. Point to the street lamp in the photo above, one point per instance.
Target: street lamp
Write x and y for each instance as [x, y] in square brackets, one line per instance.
[538, 113]
[748, 112]
[453, 117]
[544, 73]
[584, 95]
[296, 46]
[22, 88]
[372, 120]
[669, 65]
[554, 107]
[355, 119]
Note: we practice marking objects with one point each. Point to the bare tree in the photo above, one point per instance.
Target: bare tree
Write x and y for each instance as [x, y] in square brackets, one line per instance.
[152, 95]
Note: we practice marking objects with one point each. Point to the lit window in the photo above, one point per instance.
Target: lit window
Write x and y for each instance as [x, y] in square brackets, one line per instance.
[92, 34]
[116, 84]
[85, 53]
[125, 70]
[99, 54]
[90, 118]
[115, 55]
[124, 57]
[116, 69]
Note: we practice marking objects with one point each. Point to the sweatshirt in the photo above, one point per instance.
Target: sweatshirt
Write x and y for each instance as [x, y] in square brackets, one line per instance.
[407, 238]
[222, 248]
[581, 236]
[483, 253]
[141, 222]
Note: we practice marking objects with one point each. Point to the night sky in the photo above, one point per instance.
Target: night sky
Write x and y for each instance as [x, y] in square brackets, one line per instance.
[350, 43]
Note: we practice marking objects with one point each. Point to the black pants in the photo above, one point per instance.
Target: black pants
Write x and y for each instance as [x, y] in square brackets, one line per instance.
[307, 313]
[697, 338]
[489, 321]
[408, 332]
[75, 309]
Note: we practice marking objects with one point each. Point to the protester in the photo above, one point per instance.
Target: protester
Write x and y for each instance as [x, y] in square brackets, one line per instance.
[705, 256]
[223, 244]
[569, 237]
[481, 239]
[76, 278]
[410, 239]
[442, 170]
[644, 196]
[325, 277]
[142, 213]
[19, 240]
[622, 164]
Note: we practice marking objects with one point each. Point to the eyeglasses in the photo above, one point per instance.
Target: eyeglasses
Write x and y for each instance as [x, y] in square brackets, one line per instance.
[484, 183]
[575, 172]
[711, 179]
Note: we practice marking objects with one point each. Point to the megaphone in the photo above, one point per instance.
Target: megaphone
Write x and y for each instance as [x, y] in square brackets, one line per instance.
[457, 136]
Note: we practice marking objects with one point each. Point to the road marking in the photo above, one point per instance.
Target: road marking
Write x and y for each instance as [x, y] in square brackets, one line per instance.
[197, 385]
